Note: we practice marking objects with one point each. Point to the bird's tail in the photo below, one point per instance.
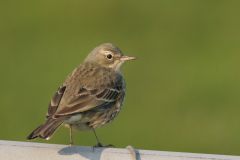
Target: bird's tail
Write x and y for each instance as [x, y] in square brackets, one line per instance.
[46, 130]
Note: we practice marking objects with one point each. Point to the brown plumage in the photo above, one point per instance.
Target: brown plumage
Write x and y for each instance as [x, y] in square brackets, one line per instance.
[90, 97]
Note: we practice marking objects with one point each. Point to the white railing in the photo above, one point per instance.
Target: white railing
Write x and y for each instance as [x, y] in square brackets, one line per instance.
[11, 150]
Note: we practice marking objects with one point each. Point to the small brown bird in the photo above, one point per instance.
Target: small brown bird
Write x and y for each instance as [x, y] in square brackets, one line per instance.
[90, 97]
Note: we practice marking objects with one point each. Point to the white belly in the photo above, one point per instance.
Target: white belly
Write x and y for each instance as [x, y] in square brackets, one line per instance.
[73, 119]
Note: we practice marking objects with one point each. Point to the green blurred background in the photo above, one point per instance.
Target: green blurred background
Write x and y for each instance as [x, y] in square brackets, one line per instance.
[182, 93]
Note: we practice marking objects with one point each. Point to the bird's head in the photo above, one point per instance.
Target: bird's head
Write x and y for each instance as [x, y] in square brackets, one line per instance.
[108, 55]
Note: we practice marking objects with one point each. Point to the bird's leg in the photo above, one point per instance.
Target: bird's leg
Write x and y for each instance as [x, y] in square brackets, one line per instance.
[99, 143]
[71, 142]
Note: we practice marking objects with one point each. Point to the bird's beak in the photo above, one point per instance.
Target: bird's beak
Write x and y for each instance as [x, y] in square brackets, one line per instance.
[126, 58]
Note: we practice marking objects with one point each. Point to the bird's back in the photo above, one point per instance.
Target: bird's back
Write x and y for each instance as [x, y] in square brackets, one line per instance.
[81, 84]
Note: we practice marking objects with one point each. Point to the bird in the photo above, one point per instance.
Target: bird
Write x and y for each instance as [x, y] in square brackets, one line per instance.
[90, 97]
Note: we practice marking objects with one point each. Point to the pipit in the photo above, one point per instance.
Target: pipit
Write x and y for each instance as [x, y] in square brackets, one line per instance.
[90, 97]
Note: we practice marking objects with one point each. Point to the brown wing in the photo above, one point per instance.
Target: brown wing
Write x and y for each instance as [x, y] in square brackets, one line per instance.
[53, 105]
[88, 86]
[90, 98]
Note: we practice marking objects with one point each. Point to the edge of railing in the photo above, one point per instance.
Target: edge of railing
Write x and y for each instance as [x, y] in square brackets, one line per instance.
[30, 150]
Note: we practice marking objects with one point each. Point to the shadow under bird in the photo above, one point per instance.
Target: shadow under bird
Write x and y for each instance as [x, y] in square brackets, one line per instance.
[90, 97]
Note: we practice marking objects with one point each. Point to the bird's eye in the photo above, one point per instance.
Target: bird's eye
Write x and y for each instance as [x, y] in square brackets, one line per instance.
[109, 56]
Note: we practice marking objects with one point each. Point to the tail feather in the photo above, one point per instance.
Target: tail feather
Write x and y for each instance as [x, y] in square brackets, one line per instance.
[46, 130]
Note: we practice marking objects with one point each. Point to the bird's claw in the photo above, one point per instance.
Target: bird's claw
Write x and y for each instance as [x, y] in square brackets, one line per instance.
[100, 145]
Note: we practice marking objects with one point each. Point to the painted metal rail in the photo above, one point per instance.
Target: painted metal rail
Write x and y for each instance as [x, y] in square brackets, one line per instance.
[11, 150]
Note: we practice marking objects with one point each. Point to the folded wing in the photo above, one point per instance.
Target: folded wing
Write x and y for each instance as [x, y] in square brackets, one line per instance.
[90, 98]
[53, 105]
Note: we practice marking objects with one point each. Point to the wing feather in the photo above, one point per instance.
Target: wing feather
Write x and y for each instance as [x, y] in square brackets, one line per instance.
[93, 99]
[87, 87]
[53, 105]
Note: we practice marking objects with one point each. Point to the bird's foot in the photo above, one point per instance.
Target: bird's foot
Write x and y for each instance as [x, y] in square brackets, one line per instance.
[100, 145]
[71, 144]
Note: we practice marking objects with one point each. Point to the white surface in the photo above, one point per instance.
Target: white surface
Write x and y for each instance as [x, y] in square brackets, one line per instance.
[11, 150]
